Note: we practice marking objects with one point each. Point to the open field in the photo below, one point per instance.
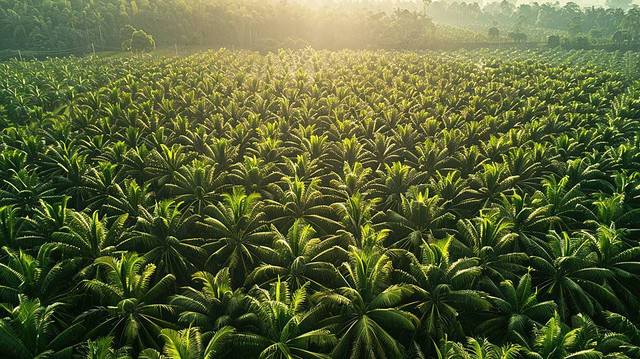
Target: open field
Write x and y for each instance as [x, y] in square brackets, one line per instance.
[316, 204]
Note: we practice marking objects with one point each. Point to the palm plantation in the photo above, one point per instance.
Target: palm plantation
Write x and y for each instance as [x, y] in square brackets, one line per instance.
[315, 204]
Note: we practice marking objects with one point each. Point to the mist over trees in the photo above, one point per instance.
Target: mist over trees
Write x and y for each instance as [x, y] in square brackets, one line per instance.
[59, 24]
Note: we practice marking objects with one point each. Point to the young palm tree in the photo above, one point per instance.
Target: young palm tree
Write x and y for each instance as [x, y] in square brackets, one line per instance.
[42, 278]
[516, 309]
[130, 198]
[348, 150]
[238, 234]
[491, 241]
[521, 164]
[47, 219]
[614, 211]
[562, 273]
[490, 183]
[395, 181]
[368, 318]
[420, 218]
[102, 348]
[88, 237]
[430, 158]
[383, 150]
[610, 250]
[163, 237]
[223, 153]
[482, 349]
[286, 328]
[191, 344]
[196, 186]
[100, 184]
[526, 215]
[213, 304]
[557, 340]
[304, 201]
[300, 258]
[136, 162]
[356, 212]
[166, 163]
[618, 323]
[454, 191]
[12, 227]
[353, 179]
[255, 176]
[563, 201]
[441, 295]
[67, 168]
[305, 168]
[132, 308]
[25, 190]
[30, 330]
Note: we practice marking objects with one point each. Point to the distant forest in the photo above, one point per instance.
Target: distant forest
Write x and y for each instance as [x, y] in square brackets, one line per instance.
[55, 25]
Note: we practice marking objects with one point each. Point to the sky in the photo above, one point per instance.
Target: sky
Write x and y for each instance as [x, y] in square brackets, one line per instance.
[580, 2]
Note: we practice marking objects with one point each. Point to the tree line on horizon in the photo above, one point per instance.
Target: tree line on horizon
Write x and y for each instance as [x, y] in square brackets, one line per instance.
[57, 25]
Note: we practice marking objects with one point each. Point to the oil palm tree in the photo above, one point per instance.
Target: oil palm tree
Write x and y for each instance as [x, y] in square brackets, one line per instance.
[441, 292]
[300, 258]
[564, 202]
[255, 175]
[238, 235]
[618, 323]
[102, 348]
[196, 185]
[353, 179]
[526, 215]
[612, 251]
[88, 237]
[394, 182]
[30, 330]
[12, 228]
[25, 190]
[286, 329]
[480, 349]
[300, 200]
[562, 272]
[165, 164]
[420, 218]
[490, 240]
[163, 236]
[213, 303]
[368, 316]
[355, 213]
[557, 340]
[42, 277]
[191, 344]
[131, 307]
[130, 198]
[517, 311]
[491, 182]
[100, 184]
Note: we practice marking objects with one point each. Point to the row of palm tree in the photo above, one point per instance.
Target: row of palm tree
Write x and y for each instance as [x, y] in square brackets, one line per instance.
[306, 204]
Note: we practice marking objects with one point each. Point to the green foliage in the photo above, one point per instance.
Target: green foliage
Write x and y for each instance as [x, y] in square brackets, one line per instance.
[553, 41]
[315, 204]
[493, 32]
[136, 40]
[58, 27]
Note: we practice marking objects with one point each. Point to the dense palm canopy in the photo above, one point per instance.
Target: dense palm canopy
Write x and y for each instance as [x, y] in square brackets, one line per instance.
[313, 204]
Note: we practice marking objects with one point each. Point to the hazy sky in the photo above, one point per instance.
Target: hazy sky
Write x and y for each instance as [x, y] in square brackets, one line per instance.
[580, 2]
